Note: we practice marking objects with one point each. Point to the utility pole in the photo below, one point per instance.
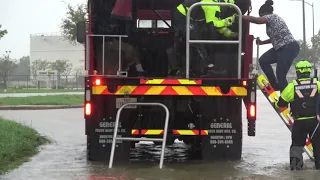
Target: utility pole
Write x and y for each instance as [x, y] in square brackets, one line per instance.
[304, 30]
[313, 44]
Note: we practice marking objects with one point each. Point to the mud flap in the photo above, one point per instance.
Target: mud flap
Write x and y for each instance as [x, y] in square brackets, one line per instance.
[284, 113]
[101, 132]
[222, 117]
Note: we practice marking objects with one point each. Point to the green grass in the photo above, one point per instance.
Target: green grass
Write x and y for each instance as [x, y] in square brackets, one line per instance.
[17, 144]
[43, 100]
[40, 90]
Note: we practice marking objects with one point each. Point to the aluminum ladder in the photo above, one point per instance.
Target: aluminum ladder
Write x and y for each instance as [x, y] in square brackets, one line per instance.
[115, 131]
[189, 41]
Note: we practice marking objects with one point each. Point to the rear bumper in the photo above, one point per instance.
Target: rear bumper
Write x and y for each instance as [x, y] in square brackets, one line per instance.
[167, 87]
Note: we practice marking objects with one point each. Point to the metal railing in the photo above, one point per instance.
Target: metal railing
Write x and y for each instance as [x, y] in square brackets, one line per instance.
[255, 66]
[189, 41]
[163, 140]
[103, 51]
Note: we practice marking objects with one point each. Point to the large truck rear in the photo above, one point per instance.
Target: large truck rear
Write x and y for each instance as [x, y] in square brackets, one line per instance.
[205, 113]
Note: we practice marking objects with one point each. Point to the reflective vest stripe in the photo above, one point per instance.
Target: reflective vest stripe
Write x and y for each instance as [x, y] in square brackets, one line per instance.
[225, 31]
[298, 92]
[313, 93]
[314, 90]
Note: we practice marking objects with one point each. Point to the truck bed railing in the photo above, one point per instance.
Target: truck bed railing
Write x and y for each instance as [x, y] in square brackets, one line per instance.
[189, 41]
[119, 72]
[254, 68]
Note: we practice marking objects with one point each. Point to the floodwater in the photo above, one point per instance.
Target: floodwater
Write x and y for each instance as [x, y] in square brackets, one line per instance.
[265, 156]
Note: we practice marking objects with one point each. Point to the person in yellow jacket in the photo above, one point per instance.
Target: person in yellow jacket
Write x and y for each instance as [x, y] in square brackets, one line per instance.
[302, 94]
[206, 17]
[211, 15]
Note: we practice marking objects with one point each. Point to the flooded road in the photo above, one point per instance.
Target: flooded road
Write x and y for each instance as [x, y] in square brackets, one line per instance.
[265, 156]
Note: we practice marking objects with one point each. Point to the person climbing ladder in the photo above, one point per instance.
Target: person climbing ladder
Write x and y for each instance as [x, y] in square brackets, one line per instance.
[285, 47]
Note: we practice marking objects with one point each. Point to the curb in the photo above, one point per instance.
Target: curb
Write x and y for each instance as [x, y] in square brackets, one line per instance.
[39, 107]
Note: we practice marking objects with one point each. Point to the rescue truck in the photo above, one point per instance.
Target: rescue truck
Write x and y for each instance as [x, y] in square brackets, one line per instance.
[124, 108]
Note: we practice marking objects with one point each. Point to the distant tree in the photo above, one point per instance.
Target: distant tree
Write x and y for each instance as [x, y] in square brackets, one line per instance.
[79, 71]
[79, 77]
[24, 62]
[308, 52]
[7, 66]
[74, 15]
[2, 32]
[38, 65]
[22, 71]
[316, 49]
[312, 51]
[63, 68]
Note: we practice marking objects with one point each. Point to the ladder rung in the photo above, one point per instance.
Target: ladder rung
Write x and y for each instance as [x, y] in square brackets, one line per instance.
[139, 139]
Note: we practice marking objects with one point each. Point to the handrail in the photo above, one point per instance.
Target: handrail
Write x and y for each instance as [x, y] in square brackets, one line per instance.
[189, 41]
[163, 140]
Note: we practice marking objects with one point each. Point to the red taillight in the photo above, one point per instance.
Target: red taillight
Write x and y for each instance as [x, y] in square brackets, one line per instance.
[87, 109]
[252, 110]
[98, 82]
[244, 83]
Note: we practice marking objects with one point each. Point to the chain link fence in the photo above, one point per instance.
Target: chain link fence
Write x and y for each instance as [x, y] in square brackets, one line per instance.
[29, 82]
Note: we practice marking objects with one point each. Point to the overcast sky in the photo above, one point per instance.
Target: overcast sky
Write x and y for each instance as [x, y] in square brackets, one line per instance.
[24, 17]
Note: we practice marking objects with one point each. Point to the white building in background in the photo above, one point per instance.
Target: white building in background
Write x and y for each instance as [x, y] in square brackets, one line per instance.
[53, 46]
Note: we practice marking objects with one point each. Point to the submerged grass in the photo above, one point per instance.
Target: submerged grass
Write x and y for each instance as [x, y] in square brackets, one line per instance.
[17, 144]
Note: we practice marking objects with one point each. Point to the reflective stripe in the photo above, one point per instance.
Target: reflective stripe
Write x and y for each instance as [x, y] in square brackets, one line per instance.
[226, 32]
[305, 82]
[305, 118]
[298, 92]
[313, 93]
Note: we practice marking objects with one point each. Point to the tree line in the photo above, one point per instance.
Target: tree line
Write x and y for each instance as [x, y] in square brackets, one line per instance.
[21, 70]
[312, 50]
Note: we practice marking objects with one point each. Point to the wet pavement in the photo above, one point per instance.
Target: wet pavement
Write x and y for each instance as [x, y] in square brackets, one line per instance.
[265, 156]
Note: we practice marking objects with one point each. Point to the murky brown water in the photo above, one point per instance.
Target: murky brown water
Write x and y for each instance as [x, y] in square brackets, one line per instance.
[264, 156]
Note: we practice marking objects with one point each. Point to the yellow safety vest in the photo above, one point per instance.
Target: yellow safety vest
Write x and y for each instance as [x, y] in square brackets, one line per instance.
[210, 15]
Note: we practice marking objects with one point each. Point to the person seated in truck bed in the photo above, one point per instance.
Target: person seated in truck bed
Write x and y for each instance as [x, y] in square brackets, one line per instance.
[129, 56]
[216, 28]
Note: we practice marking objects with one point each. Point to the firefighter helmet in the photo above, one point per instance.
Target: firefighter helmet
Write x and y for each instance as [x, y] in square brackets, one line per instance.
[304, 66]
